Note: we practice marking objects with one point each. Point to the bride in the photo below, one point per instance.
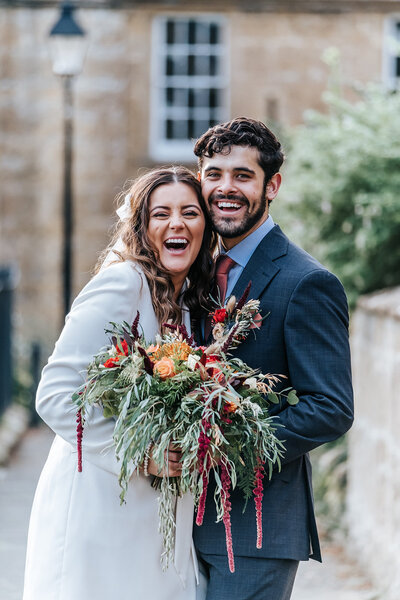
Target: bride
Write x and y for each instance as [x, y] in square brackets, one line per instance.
[82, 544]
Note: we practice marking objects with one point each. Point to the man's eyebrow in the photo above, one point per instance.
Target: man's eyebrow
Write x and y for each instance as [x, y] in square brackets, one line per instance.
[245, 169]
[211, 168]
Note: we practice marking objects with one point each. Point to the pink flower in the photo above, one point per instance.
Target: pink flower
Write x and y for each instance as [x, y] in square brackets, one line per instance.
[257, 320]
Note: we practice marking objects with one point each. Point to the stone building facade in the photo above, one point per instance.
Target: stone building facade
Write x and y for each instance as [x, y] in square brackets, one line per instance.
[156, 74]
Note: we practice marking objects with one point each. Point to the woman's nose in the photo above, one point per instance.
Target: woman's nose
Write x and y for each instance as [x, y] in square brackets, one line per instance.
[176, 221]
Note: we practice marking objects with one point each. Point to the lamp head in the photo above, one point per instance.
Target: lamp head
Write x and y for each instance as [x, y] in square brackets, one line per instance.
[67, 42]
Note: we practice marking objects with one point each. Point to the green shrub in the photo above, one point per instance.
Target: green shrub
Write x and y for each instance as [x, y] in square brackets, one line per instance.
[343, 187]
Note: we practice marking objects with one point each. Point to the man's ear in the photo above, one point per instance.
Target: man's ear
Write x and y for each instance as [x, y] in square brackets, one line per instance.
[198, 176]
[273, 186]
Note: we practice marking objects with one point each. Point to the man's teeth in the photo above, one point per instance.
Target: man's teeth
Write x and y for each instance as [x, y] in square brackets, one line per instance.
[228, 205]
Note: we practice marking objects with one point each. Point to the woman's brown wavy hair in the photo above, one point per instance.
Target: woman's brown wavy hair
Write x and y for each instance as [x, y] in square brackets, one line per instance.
[133, 233]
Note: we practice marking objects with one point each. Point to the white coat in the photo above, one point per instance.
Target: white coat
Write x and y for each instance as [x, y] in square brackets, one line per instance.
[82, 544]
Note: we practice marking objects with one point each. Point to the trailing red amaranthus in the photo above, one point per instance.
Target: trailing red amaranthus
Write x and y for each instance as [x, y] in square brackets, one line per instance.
[79, 434]
[226, 507]
[258, 497]
[204, 442]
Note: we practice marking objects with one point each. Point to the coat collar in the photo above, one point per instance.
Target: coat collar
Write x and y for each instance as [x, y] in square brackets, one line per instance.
[262, 268]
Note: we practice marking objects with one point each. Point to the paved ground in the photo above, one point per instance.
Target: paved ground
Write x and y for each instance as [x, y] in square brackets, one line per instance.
[335, 579]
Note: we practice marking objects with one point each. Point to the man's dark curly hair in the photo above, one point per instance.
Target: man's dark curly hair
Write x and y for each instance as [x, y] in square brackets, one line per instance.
[242, 131]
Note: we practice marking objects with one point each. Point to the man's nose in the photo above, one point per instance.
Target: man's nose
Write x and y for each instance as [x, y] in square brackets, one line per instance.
[226, 185]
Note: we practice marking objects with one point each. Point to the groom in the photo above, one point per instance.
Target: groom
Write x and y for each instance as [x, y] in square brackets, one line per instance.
[304, 337]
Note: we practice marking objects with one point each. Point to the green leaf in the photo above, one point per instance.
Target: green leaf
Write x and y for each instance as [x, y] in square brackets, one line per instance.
[292, 398]
[272, 397]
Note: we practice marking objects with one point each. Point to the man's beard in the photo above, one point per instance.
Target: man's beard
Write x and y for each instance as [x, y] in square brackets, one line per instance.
[226, 226]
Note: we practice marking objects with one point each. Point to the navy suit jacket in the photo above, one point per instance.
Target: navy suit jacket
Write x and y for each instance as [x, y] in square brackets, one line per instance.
[305, 338]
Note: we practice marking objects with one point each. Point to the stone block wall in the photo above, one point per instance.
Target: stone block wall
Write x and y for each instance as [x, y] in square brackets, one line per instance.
[373, 494]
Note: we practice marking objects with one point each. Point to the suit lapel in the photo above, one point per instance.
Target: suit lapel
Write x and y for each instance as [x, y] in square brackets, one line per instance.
[261, 268]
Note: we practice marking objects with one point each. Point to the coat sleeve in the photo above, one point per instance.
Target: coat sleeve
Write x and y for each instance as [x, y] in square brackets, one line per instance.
[112, 295]
[318, 355]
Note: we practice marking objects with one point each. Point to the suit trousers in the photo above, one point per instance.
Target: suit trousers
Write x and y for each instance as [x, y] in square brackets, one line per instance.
[254, 578]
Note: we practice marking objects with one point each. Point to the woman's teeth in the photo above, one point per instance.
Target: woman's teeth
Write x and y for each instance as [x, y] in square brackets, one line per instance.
[176, 244]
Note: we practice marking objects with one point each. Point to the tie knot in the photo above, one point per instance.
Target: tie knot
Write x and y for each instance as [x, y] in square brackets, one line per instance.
[224, 264]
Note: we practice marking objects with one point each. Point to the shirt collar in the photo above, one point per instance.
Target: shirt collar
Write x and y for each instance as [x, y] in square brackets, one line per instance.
[242, 252]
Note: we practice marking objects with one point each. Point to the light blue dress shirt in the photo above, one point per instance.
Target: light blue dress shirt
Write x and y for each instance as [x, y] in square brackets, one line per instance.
[242, 252]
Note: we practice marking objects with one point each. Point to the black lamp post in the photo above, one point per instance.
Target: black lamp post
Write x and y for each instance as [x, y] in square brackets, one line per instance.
[67, 44]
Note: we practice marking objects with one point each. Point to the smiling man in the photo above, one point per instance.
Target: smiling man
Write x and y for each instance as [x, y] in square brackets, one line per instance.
[304, 338]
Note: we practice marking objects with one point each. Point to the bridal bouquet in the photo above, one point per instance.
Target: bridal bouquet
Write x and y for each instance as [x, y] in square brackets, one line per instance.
[214, 407]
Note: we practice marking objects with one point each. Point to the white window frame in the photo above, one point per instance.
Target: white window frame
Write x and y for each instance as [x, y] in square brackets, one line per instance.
[161, 148]
[391, 43]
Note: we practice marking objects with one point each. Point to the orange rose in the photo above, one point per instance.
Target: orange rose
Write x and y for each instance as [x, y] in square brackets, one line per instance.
[230, 407]
[165, 368]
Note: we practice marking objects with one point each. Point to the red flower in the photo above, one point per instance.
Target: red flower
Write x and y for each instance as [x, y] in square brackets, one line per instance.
[211, 358]
[111, 362]
[125, 349]
[122, 350]
[219, 315]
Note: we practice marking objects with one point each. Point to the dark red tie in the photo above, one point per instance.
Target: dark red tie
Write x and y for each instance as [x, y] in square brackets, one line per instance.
[224, 265]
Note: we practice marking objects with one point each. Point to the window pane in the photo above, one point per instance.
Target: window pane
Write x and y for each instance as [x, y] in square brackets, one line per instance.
[176, 130]
[202, 33]
[200, 127]
[214, 65]
[214, 34]
[181, 33]
[169, 67]
[180, 130]
[168, 129]
[201, 97]
[176, 96]
[192, 32]
[176, 65]
[214, 98]
[170, 32]
[202, 65]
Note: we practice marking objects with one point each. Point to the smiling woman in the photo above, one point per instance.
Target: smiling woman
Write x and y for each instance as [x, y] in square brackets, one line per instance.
[163, 240]
[168, 233]
[176, 227]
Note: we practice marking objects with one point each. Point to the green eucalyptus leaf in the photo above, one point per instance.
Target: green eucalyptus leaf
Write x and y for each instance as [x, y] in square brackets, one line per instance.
[292, 398]
[272, 397]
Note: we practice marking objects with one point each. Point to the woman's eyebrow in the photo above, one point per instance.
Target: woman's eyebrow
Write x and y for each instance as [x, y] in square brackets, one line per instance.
[158, 207]
[161, 207]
